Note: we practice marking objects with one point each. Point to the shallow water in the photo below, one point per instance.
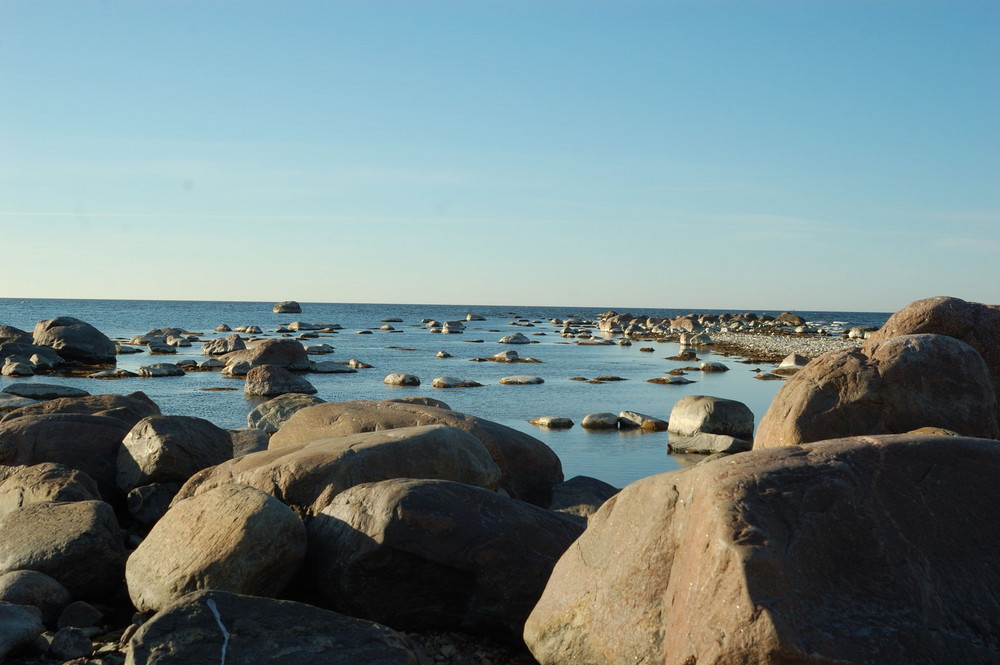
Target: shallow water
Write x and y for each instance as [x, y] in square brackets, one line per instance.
[615, 457]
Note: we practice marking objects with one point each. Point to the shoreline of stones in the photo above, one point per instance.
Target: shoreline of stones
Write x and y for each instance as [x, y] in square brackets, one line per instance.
[873, 463]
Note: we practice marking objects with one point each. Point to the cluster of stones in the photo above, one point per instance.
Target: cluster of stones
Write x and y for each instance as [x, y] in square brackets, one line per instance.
[855, 528]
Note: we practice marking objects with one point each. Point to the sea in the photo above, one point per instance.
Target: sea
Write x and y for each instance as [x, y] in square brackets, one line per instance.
[617, 457]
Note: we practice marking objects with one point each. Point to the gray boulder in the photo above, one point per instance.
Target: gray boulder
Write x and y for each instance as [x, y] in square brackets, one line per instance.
[581, 496]
[211, 626]
[428, 554]
[286, 353]
[78, 544]
[75, 340]
[19, 626]
[29, 587]
[287, 307]
[398, 379]
[165, 449]
[223, 345]
[713, 415]
[43, 390]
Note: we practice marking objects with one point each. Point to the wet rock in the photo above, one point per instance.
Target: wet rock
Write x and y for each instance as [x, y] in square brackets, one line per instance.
[601, 420]
[634, 420]
[454, 382]
[552, 422]
[522, 380]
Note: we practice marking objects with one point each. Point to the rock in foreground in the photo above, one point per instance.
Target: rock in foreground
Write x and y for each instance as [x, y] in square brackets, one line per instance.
[219, 627]
[869, 550]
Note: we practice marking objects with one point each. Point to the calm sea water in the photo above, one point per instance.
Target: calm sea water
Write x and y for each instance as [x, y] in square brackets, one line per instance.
[615, 457]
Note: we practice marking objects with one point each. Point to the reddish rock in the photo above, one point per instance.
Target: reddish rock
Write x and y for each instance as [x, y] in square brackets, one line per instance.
[870, 550]
[974, 323]
[889, 387]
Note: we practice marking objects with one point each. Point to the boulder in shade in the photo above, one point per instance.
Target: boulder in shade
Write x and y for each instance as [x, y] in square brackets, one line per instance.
[231, 538]
[44, 482]
[430, 554]
[78, 544]
[19, 626]
[29, 587]
[261, 631]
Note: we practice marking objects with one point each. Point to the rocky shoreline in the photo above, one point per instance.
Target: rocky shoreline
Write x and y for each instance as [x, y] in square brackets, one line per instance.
[857, 519]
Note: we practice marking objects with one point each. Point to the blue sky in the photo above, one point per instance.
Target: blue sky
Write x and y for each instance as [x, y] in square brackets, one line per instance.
[806, 154]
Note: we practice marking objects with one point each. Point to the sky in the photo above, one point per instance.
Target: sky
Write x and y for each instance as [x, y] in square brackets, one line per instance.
[801, 154]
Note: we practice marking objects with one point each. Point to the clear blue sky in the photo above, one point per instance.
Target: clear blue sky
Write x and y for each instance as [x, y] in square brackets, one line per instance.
[801, 154]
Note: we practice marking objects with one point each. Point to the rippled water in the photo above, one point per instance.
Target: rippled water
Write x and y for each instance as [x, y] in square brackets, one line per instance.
[615, 457]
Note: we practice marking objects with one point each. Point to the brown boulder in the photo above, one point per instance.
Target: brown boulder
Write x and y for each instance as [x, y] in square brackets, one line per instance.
[232, 538]
[975, 324]
[287, 353]
[870, 550]
[271, 381]
[165, 449]
[306, 476]
[530, 468]
[79, 441]
[213, 626]
[432, 554]
[129, 408]
[45, 482]
[890, 387]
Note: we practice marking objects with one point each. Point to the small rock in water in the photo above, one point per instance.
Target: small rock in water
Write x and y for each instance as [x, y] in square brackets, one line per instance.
[399, 379]
[552, 422]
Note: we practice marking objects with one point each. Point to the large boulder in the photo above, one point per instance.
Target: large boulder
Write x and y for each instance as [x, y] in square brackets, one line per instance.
[210, 626]
[79, 441]
[165, 449]
[529, 467]
[78, 544]
[697, 414]
[231, 538]
[270, 415]
[129, 408]
[12, 334]
[287, 307]
[889, 387]
[287, 353]
[307, 476]
[75, 340]
[45, 482]
[431, 554]
[975, 324]
[868, 551]
[271, 381]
